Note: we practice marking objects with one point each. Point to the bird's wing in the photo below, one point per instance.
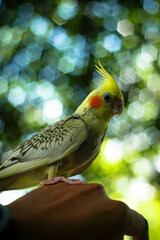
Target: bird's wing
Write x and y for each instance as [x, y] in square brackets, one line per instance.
[47, 146]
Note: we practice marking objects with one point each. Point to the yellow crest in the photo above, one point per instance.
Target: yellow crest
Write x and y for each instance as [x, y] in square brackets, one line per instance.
[108, 83]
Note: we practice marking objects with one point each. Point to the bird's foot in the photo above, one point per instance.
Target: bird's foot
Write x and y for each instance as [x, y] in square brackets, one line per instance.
[55, 180]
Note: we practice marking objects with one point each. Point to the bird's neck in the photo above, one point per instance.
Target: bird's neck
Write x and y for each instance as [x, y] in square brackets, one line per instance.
[92, 119]
[97, 124]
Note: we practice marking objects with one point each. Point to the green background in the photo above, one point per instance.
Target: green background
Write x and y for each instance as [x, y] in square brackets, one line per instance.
[48, 51]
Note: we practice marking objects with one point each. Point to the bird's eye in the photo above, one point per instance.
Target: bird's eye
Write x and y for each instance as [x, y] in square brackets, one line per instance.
[107, 98]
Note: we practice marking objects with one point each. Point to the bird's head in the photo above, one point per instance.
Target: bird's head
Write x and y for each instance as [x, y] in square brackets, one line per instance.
[105, 101]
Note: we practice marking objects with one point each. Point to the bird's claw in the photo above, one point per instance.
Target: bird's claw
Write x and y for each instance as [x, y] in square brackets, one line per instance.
[55, 180]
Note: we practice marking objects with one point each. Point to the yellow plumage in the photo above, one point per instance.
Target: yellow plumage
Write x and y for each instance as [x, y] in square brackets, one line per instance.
[108, 83]
[67, 147]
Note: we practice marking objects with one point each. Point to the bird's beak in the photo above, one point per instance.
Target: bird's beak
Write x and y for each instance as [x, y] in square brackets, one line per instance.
[117, 108]
[120, 110]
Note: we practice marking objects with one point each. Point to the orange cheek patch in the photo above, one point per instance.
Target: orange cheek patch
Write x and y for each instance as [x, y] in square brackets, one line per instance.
[95, 102]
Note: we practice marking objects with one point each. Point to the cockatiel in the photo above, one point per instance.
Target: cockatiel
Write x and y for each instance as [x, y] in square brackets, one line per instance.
[67, 147]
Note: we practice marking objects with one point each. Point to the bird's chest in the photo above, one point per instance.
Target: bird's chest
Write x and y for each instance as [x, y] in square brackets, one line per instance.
[90, 147]
[87, 152]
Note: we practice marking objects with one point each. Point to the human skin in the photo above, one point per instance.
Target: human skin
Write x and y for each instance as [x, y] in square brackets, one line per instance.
[64, 211]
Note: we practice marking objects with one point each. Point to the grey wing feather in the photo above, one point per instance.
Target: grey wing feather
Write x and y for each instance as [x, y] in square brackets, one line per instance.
[46, 147]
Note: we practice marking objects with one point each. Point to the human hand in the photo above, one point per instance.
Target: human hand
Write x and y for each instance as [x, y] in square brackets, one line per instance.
[84, 211]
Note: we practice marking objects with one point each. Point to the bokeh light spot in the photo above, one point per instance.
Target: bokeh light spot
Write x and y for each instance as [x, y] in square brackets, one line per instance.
[16, 96]
[26, 10]
[143, 167]
[151, 6]
[52, 110]
[150, 110]
[113, 150]
[153, 82]
[59, 39]
[67, 10]
[139, 190]
[125, 27]
[112, 43]
[6, 34]
[135, 110]
[22, 58]
[39, 25]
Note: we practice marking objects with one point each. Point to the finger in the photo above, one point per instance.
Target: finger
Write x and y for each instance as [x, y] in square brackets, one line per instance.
[144, 237]
[137, 226]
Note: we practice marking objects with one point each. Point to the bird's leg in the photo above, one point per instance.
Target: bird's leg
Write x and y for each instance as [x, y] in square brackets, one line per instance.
[55, 180]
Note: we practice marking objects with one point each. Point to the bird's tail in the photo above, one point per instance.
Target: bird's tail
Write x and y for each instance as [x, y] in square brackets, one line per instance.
[19, 181]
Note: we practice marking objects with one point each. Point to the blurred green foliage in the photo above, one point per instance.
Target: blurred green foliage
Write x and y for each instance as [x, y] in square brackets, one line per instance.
[47, 54]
